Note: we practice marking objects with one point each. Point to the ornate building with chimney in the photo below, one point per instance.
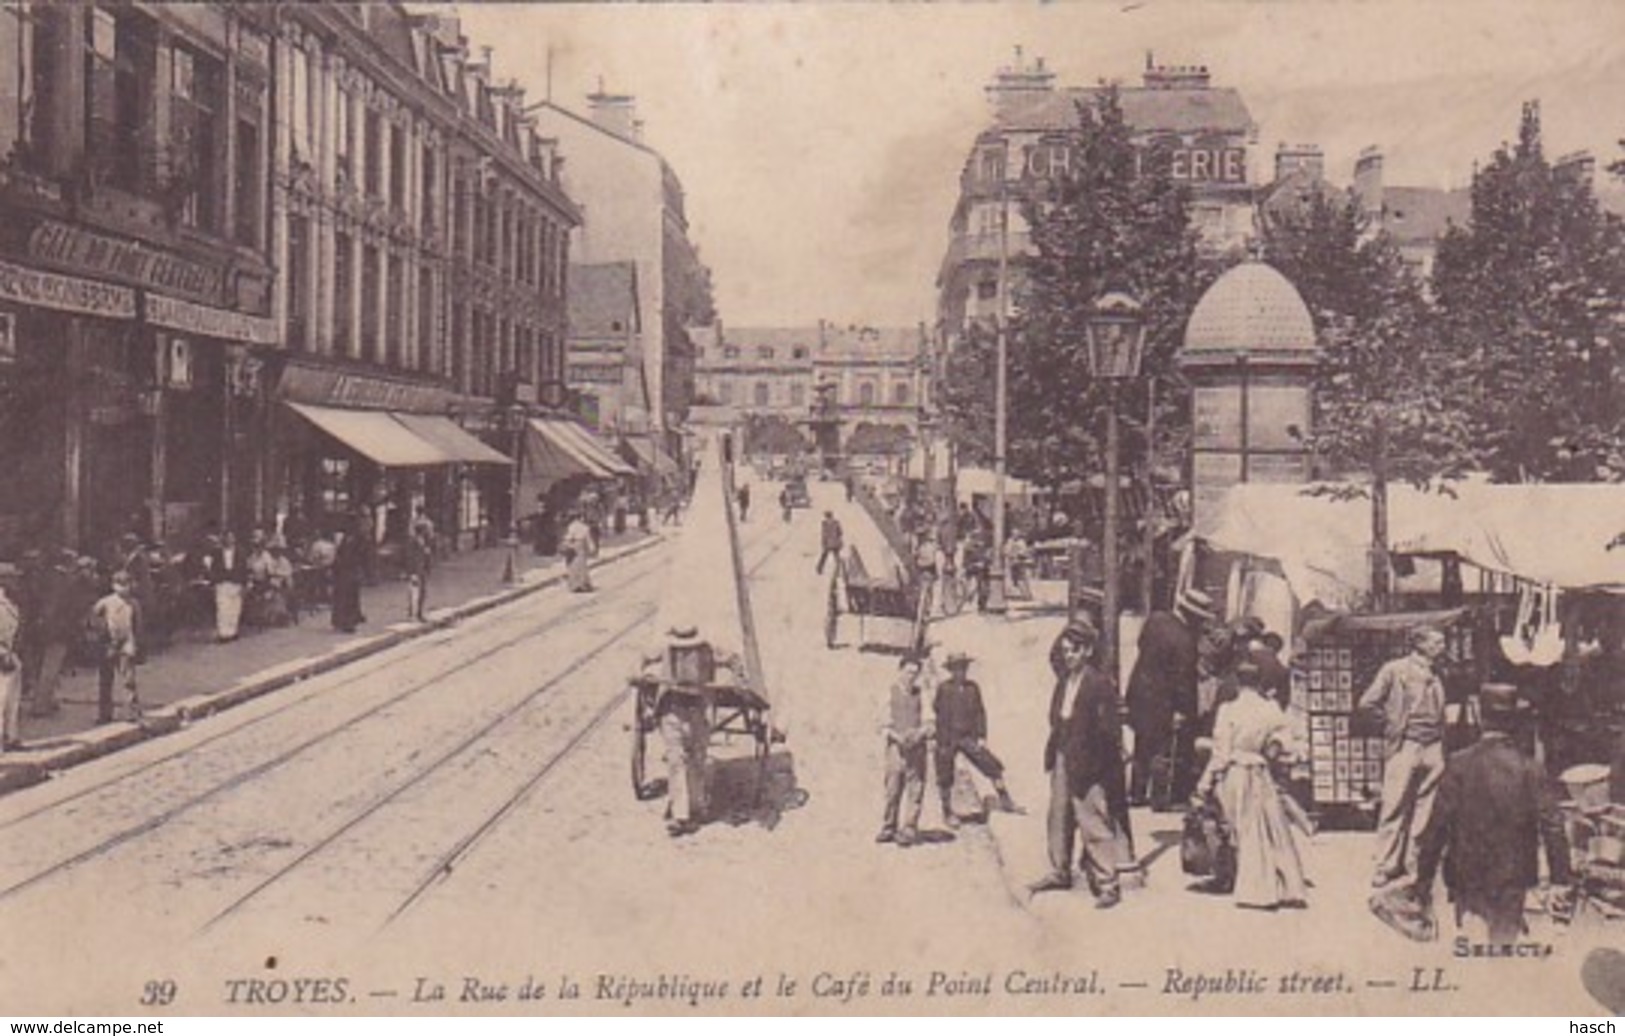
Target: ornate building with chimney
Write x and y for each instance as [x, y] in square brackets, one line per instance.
[423, 238]
[633, 211]
[1208, 130]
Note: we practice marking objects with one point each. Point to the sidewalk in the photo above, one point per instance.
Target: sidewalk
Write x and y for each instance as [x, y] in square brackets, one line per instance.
[195, 676]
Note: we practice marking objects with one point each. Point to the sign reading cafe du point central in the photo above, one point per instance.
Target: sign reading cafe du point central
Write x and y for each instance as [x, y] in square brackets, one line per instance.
[1196, 163]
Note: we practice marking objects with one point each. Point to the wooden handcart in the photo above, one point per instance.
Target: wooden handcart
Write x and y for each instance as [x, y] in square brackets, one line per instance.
[734, 712]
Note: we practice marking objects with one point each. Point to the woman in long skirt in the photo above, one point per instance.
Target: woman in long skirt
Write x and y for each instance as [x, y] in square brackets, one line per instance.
[347, 568]
[578, 551]
[1246, 731]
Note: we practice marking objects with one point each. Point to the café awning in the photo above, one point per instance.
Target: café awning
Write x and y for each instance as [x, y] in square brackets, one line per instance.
[551, 452]
[588, 443]
[650, 456]
[376, 435]
[444, 433]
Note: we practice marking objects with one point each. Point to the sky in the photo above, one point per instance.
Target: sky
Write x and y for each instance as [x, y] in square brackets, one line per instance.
[820, 144]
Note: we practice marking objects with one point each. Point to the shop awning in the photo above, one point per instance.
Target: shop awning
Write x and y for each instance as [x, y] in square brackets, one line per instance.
[650, 456]
[376, 435]
[447, 437]
[589, 444]
[550, 451]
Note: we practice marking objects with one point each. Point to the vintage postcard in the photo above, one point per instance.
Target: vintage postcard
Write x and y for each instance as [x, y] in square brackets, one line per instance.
[1105, 508]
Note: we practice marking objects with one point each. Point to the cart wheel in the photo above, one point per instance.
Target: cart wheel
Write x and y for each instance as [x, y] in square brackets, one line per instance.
[763, 751]
[832, 616]
[640, 754]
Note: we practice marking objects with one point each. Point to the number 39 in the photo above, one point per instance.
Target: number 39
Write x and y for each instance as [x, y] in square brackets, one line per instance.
[158, 994]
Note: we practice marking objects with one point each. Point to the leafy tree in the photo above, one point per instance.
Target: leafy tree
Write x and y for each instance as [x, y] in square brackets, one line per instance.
[773, 434]
[1118, 221]
[1383, 406]
[1530, 298]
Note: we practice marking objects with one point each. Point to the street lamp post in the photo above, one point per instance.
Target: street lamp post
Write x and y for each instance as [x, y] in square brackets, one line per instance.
[1116, 333]
[514, 416]
[996, 602]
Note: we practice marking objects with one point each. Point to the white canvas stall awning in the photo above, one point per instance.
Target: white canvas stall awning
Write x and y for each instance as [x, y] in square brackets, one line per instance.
[1543, 533]
[450, 439]
[376, 435]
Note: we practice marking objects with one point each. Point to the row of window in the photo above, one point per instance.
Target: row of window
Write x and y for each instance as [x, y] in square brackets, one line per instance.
[157, 117]
[762, 393]
[763, 352]
[494, 343]
[494, 228]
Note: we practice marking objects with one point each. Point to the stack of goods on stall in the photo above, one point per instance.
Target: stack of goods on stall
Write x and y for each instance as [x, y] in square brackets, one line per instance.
[1346, 748]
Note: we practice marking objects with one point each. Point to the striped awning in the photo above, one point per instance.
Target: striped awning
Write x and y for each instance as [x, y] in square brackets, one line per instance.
[376, 435]
[587, 444]
[444, 433]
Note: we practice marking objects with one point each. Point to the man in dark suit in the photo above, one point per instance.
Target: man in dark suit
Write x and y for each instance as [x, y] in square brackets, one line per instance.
[1084, 757]
[1162, 702]
[1492, 813]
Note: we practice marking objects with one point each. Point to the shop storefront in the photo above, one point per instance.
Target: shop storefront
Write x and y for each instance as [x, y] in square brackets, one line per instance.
[360, 449]
[131, 392]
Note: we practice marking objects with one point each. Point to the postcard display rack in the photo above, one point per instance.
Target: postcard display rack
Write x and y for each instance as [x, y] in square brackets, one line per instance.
[1346, 748]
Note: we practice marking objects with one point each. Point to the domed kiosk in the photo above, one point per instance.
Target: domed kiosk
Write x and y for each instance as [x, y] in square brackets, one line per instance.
[1250, 355]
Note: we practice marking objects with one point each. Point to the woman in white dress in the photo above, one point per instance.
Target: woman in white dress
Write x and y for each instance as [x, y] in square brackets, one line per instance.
[1247, 732]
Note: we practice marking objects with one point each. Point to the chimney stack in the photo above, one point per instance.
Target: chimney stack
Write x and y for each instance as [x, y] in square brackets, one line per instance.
[1017, 82]
[1289, 158]
[617, 113]
[1368, 181]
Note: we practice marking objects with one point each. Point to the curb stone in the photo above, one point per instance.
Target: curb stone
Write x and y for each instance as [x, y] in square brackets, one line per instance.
[35, 765]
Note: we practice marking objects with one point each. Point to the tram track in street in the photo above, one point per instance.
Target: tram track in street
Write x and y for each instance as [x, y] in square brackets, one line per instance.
[186, 754]
[466, 844]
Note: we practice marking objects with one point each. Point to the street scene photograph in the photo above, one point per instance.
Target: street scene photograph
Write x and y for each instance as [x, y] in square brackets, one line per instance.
[538, 509]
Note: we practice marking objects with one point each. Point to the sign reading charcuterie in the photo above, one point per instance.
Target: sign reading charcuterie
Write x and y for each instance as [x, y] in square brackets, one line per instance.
[55, 291]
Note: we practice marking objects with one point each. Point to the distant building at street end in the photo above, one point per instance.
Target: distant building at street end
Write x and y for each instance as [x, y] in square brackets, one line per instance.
[633, 205]
[605, 360]
[875, 377]
[1208, 130]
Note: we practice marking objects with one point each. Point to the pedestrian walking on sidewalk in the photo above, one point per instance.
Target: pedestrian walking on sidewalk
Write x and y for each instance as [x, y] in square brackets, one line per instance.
[228, 571]
[66, 598]
[419, 564]
[742, 497]
[961, 724]
[1162, 701]
[832, 537]
[1084, 758]
[907, 737]
[1493, 815]
[348, 569]
[1410, 696]
[579, 547]
[116, 619]
[1250, 733]
[11, 663]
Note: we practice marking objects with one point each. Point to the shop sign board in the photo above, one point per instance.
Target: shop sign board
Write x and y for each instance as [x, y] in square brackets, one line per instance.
[208, 322]
[89, 252]
[56, 291]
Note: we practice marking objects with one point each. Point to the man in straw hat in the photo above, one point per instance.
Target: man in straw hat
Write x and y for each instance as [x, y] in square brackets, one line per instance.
[1084, 757]
[1491, 817]
[684, 666]
[1162, 699]
[962, 727]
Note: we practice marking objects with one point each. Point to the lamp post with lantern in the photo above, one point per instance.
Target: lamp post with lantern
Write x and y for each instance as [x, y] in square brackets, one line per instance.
[1116, 338]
